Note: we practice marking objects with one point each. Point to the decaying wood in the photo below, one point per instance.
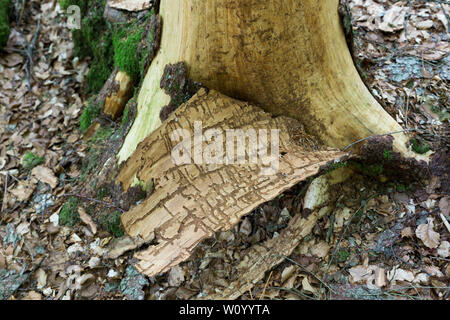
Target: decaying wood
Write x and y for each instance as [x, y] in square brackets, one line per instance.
[120, 93]
[131, 5]
[191, 202]
[261, 258]
[290, 58]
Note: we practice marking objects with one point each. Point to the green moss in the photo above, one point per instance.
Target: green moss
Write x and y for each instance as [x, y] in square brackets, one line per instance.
[387, 154]
[4, 22]
[108, 44]
[343, 255]
[91, 111]
[90, 162]
[125, 114]
[133, 46]
[31, 160]
[372, 170]
[102, 134]
[333, 166]
[69, 214]
[419, 146]
[126, 46]
[103, 192]
[93, 39]
[111, 223]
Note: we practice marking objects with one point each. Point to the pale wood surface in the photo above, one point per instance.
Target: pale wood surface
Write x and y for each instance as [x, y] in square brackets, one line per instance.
[288, 57]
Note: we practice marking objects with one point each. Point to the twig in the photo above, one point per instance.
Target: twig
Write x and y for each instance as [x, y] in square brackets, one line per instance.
[4, 193]
[106, 204]
[265, 286]
[338, 244]
[29, 52]
[250, 290]
[310, 273]
[376, 135]
[292, 290]
[444, 220]
[407, 19]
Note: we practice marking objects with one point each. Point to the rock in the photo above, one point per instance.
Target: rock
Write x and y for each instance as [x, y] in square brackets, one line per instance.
[113, 15]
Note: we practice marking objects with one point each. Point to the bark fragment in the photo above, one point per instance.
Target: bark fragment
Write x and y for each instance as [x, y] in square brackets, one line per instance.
[191, 202]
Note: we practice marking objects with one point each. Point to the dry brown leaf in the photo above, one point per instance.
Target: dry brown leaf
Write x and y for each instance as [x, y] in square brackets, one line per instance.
[176, 276]
[407, 232]
[45, 175]
[444, 206]
[428, 236]
[11, 60]
[87, 219]
[307, 286]
[23, 191]
[287, 273]
[444, 249]
[359, 273]
[320, 249]
[33, 295]
[397, 274]
[393, 19]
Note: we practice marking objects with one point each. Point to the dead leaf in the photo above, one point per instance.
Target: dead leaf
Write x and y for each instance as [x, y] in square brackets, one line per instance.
[23, 191]
[393, 19]
[176, 276]
[41, 278]
[397, 274]
[428, 236]
[407, 232]
[87, 219]
[33, 295]
[307, 286]
[444, 206]
[359, 273]
[444, 249]
[11, 60]
[287, 273]
[45, 175]
[320, 249]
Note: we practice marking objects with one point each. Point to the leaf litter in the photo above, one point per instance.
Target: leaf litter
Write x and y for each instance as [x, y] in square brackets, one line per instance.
[379, 240]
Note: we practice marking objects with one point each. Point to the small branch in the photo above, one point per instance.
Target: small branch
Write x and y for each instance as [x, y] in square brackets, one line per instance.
[103, 203]
[444, 220]
[4, 193]
[376, 135]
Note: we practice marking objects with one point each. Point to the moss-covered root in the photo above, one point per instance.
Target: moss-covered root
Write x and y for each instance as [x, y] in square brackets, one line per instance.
[4, 22]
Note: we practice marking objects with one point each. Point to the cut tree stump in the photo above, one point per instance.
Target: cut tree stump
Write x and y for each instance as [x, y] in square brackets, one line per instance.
[191, 202]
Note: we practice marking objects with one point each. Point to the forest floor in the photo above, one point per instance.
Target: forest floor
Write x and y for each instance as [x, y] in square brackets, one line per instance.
[385, 238]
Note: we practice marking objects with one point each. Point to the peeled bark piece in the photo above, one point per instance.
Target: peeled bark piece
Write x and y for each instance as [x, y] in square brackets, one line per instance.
[261, 258]
[120, 92]
[289, 57]
[131, 5]
[191, 202]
